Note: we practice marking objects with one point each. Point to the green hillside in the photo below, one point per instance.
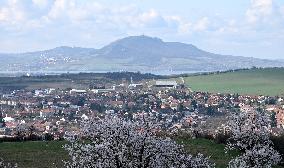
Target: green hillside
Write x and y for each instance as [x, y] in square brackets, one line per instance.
[269, 81]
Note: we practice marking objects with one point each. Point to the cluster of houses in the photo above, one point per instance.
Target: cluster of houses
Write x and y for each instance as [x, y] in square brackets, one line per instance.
[52, 112]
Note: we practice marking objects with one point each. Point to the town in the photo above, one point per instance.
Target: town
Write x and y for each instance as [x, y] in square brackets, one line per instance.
[48, 113]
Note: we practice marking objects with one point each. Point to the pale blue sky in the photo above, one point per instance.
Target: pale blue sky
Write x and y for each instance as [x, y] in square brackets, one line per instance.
[253, 28]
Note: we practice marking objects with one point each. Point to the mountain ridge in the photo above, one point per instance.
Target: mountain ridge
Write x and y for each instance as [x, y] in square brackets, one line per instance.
[133, 53]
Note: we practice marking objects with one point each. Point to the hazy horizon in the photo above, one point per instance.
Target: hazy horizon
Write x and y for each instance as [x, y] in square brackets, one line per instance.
[244, 28]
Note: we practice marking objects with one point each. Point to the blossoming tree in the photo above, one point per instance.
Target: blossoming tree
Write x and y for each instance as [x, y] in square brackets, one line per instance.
[114, 142]
[250, 135]
[6, 165]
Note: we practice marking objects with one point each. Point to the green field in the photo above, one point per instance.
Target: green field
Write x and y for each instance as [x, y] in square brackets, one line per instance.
[268, 81]
[51, 154]
[34, 154]
[209, 148]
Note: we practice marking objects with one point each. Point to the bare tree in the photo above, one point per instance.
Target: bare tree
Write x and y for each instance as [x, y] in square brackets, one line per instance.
[113, 142]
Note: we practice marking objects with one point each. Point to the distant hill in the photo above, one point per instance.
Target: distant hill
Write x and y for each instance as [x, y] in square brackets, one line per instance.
[268, 81]
[134, 53]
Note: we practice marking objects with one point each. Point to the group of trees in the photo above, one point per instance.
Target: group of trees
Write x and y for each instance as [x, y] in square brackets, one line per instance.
[250, 135]
[136, 76]
[114, 142]
[117, 143]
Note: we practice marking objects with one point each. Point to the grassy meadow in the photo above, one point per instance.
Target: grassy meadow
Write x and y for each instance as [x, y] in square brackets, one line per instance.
[34, 154]
[269, 81]
[50, 154]
[209, 148]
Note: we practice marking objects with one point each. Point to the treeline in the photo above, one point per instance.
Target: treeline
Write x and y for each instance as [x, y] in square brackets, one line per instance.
[136, 76]
[223, 72]
[112, 75]
[44, 137]
[8, 84]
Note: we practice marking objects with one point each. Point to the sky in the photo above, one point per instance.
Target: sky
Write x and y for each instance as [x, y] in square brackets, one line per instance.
[252, 28]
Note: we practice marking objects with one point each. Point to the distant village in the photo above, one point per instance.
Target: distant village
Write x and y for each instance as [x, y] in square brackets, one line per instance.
[48, 113]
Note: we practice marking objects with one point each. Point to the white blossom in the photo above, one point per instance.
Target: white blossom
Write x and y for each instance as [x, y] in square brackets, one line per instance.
[113, 142]
[250, 135]
[7, 165]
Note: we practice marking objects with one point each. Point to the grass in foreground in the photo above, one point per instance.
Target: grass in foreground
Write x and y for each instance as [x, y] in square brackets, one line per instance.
[34, 154]
[267, 81]
[50, 154]
[209, 148]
